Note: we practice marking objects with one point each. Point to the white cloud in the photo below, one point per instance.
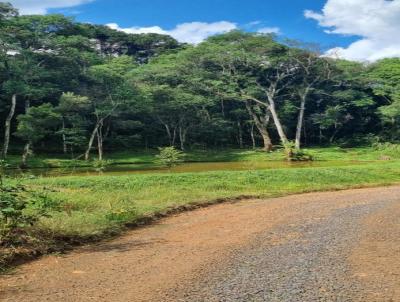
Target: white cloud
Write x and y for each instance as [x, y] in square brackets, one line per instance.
[376, 22]
[269, 30]
[40, 7]
[253, 23]
[193, 32]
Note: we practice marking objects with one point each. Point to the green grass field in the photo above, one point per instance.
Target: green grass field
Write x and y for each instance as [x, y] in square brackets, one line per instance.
[82, 208]
[92, 206]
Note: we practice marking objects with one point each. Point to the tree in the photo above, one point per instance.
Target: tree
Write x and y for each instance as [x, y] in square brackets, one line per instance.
[72, 109]
[7, 11]
[261, 118]
[109, 92]
[35, 125]
[176, 103]
[385, 78]
[228, 65]
[312, 71]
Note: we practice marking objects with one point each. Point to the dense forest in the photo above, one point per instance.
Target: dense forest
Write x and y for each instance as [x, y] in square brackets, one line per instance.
[76, 88]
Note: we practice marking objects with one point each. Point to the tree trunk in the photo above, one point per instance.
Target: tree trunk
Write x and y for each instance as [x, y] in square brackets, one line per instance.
[182, 137]
[64, 139]
[91, 140]
[25, 154]
[320, 135]
[305, 133]
[173, 137]
[300, 121]
[276, 119]
[7, 126]
[266, 140]
[262, 127]
[100, 143]
[253, 140]
[168, 133]
[222, 107]
[332, 138]
[27, 105]
[27, 148]
[240, 135]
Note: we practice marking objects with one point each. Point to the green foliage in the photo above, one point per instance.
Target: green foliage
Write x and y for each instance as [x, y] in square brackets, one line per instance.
[169, 156]
[388, 150]
[12, 217]
[294, 154]
[37, 123]
[101, 165]
[387, 146]
[90, 83]
[122, 214]
[3, 166]
[19, 210]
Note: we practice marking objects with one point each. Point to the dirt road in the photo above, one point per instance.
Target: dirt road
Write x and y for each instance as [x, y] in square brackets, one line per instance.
[333, 246]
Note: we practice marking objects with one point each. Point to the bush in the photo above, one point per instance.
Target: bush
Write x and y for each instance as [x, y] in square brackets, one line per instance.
[358, 140]
[169, 156]
[387, 147]
[12, 206]
[19, 210]
[388, 150]
[101, 165]
[294, 154]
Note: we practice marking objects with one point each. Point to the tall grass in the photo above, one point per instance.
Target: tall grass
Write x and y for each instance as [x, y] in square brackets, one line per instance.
[88, 206]
[82, 208]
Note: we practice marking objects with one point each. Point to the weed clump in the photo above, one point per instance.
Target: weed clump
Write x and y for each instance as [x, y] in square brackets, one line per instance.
[294, 154]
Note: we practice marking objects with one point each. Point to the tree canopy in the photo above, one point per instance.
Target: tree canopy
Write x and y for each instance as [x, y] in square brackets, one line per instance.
[71, 87]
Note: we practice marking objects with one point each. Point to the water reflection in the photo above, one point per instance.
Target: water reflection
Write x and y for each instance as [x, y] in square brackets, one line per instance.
[185, 167]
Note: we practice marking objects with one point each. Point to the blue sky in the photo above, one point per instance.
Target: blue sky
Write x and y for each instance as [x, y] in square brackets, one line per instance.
[287, 15]
[354, 29]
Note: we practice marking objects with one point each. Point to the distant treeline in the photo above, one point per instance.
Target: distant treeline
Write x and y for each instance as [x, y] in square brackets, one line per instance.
[72, 87]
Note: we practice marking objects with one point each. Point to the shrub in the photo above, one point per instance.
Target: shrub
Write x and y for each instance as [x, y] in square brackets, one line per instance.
[386, 147]
[294, 154]
[169, 156]
[101, 165]
[19, 209]
[12, 206]
[388, 150]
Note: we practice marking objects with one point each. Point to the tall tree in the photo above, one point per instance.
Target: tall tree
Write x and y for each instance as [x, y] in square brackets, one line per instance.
[108, 92]
[34, 126]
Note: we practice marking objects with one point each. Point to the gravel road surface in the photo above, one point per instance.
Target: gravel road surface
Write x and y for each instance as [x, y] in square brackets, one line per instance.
[332, 246]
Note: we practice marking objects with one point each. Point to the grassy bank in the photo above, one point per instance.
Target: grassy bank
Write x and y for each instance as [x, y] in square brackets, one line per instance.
[148, 158]
[79, 209]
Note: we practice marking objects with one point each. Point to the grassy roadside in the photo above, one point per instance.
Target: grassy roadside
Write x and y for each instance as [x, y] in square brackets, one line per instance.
[81, 209]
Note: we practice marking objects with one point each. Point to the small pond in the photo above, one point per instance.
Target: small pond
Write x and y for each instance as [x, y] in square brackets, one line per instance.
[185, 167]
